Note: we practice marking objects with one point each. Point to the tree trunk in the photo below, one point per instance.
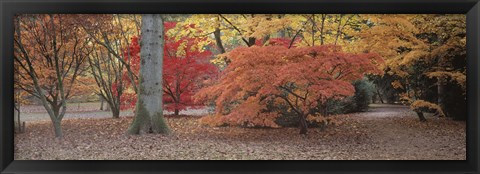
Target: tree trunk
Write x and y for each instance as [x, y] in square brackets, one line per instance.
[380, 96]
[56, 120]
[421, 116]
[101, 103]
[282, 33]
[265, 39]
[303, 125]
[441, 94]
[176, 112]
[149, 108]
[108, 108]
[17, 122]
[57, 128]
[115, 112]
[218, 40]
[251, 41]
[325, 110]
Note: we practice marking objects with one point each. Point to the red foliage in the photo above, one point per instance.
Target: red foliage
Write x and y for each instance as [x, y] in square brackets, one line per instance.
[299, 78]
[185, 69]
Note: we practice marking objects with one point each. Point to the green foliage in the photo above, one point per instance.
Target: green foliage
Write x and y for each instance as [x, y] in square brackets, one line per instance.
[363, 95]
[364, 91]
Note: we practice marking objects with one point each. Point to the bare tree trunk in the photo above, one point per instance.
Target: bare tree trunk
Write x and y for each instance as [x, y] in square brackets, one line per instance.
[57, 119]
[149, 110]
[251, 41]
[265, 39]
[324, 16]
[101, 103]
[380, 96]
[421, 116]
[108, 108]
[115, 112]
[17, 121]
[441, 94]
[218, 40]
[303, 124]
[58, 128]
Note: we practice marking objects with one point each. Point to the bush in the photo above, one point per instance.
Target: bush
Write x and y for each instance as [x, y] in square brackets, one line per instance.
[363, 95]
[364, 91]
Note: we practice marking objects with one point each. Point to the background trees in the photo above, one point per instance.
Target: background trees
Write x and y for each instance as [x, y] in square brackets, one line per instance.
[110, 62]
[107, 73]
[423, 55]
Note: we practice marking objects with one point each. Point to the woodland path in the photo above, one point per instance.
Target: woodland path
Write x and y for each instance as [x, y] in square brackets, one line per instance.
[385, 132]
[396, 129]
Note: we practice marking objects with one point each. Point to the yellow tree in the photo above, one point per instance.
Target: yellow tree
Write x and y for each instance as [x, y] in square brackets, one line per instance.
[446, 37]
[112, 33]
[324, 29]
[107, 75]
[231, 30]
[414, 50]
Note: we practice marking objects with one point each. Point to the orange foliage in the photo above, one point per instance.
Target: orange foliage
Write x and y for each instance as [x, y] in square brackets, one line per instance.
[300, 78]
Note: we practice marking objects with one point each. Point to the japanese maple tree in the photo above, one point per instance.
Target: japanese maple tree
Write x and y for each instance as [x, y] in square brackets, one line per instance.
[302, 79]
[50, 54]
[186, 67]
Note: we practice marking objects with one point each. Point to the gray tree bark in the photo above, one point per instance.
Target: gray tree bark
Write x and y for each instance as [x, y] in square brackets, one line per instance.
[149, 109]
[101, 103]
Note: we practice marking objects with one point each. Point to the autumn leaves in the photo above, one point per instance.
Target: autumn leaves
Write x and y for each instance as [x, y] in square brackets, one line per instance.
[261, 80]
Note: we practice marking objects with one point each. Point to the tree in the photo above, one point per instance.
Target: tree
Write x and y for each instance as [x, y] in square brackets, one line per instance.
[303, 79]
[149, 107]
[232, 30]
[50, 51]
[110, 65]
[186, 66]
[107, 73]
[416, 49]
[446, 36]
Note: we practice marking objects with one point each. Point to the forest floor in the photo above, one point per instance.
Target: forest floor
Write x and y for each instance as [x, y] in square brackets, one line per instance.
[385, 132]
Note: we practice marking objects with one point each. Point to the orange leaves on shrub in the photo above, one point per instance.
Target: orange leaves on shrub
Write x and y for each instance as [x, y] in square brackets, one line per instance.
[300, 78]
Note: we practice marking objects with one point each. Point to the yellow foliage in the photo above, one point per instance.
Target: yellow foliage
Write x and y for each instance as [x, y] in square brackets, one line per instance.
[458, 77]
[425, 106]
[397, 84]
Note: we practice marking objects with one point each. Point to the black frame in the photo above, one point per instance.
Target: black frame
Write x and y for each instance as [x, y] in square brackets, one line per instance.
[8, 8]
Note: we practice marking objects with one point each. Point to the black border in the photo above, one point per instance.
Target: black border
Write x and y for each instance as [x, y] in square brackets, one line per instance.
[10, 7]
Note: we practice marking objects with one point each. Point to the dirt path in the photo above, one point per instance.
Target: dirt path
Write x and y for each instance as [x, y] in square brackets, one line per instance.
[396, 129]
[386, 132]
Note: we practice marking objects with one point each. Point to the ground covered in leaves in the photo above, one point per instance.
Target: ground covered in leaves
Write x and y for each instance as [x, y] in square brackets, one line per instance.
[384, 133]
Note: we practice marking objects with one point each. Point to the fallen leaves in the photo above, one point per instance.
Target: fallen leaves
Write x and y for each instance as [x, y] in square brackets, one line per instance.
[397, 134]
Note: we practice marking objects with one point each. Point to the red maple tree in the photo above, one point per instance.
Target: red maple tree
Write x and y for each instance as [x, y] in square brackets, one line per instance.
[302, 79]
[186, 68]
